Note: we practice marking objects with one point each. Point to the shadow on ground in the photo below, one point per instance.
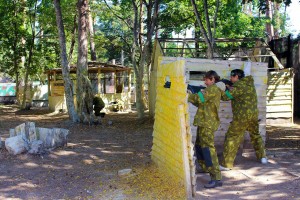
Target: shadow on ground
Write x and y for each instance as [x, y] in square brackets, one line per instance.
[87, 168]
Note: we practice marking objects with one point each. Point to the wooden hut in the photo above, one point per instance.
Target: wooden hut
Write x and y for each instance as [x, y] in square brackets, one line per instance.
[111, 82]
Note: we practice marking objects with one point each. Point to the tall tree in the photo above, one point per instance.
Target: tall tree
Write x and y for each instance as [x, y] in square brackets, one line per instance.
[12, 34]
[142, 22]
[142, 47]
[84, 94]
[92, 34]
[73, 38]
[208, 31]
[68, 85]
[113, 31]
[31, 44]
[271, 8]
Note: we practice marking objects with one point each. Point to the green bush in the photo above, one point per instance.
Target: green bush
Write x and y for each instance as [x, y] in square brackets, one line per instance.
[98, 105]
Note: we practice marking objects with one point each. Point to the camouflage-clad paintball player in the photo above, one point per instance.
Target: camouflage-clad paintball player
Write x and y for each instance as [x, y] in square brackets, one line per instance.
[245, 118]
[207, 122]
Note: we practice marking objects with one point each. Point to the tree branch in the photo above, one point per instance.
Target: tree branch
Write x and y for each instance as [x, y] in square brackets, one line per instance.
[114, 12]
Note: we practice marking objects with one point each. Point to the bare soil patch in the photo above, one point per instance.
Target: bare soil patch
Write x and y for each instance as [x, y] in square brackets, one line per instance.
[87, 168]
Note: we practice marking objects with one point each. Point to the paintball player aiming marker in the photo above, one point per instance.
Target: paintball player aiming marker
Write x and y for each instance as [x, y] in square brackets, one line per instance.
[207, 122]
[245, 118]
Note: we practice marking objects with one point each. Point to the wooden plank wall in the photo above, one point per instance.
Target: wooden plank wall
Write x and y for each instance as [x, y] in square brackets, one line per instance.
[57, 88]
[280, 97]
[172, 140]
[152, 86]
[223, 68]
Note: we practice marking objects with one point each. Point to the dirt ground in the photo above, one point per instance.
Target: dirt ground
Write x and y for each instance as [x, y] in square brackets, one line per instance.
[88, 167]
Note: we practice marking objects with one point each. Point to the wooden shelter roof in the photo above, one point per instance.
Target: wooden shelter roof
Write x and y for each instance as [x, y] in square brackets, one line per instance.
[93, 67]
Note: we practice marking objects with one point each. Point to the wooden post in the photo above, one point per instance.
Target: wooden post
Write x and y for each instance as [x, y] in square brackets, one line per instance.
[299, 51]
[104, 85]
[292, 74]
[54, 76]
[123, 74]
[49, 82]
[185, 154]
[99, 80]
[115, 79]
[129, 80]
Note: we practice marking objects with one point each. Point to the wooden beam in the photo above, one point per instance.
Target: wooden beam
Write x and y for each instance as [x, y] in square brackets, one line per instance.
[280, 66]
[99, 80]
[185, 152]
[115, 79]
[49, 81]
[129, 83]
[293, 95]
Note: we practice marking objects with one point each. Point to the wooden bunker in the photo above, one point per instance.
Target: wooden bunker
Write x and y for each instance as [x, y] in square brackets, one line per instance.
[110, 82]
[174, 134]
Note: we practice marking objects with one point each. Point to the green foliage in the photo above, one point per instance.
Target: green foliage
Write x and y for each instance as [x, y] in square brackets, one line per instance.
[29, 27]
[11, 32]
[262, 4]
[175, 16]
[112, 31]
[236, 24]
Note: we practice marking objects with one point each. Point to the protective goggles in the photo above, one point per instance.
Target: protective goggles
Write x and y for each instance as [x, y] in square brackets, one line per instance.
[233, 74]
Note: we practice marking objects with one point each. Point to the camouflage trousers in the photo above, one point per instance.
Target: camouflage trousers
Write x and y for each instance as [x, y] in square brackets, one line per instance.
[206, 152]
[235, 136]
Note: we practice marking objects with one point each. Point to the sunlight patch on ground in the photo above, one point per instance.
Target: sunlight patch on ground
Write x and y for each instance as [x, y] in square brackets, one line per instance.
[292, 137]
[20, 186]
[116, 146]
[57, 167]
[73, 145]
[88, 162]
[27, 184]
[65, 153]
[87, 147]
[150, 183]
[117, 152]
[30, 164]
[265, 177]
[94, 160]
[55, 113]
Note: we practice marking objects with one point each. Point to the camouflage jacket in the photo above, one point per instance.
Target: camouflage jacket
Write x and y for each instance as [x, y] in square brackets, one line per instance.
[207, 113]
[244, 102]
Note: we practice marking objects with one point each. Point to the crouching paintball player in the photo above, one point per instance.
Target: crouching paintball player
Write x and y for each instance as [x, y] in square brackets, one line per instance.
[207, 122]
[245, 118]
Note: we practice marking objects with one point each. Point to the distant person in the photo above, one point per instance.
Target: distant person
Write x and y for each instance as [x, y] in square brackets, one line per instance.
[207, 122]
[245, 118]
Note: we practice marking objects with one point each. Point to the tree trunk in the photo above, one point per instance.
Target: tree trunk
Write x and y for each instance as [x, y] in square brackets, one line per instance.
[23, 105]
[16, 64]
[29, 60]
[207, 34]
[84, 87]
[73, 39]
[197, 36]
[68, 85]
[137, 68]
[143, 49]
[27, 71]
[269, 16]
[91, 31]
[277, 19]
